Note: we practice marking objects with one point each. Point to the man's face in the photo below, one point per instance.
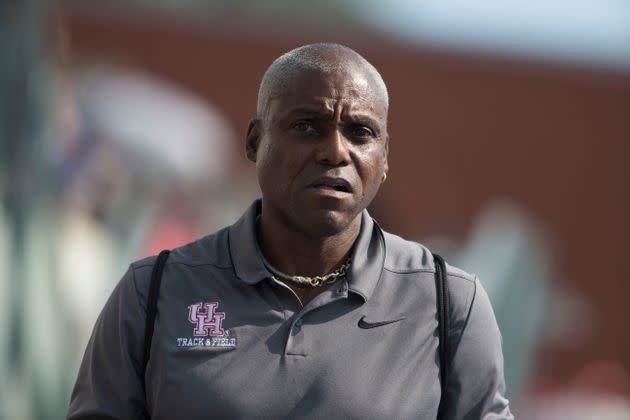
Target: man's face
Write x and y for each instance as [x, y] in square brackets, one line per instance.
[321, 151]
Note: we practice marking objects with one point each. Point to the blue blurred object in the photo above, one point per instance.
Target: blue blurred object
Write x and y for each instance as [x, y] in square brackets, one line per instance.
[585, 32]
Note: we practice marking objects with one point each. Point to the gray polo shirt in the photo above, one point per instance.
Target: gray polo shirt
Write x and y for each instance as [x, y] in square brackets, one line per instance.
[230, 342]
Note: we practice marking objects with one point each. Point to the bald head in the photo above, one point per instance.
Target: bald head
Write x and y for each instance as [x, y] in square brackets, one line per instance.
[323, 58]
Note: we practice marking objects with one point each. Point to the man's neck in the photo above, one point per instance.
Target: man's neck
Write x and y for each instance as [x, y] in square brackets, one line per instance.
[295, 253]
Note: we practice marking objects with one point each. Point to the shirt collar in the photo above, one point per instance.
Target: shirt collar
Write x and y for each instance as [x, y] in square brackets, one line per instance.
[368, 258]
[368, 255]
[248, 264]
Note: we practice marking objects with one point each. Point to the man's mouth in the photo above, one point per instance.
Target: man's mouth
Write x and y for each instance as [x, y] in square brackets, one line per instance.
[337, 184]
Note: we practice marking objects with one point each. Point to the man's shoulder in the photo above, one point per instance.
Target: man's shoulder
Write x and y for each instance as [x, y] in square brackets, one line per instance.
[405, 256]
[408, 260]
[212, 250]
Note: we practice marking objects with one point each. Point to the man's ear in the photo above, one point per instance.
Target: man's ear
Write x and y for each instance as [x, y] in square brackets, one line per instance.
[252, 139]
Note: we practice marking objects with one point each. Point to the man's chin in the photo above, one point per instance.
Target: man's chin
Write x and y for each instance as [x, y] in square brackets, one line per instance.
[327, 223]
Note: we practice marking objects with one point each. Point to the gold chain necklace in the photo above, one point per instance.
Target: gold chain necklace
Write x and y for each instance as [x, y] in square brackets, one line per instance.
[315, 281]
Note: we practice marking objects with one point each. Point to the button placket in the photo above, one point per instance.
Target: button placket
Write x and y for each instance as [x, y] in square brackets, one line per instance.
[298, 340]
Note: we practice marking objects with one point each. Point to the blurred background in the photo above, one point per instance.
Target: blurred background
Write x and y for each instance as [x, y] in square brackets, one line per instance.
[121, 133]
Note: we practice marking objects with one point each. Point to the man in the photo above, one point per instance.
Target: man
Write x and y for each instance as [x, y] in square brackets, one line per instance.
[304, 307]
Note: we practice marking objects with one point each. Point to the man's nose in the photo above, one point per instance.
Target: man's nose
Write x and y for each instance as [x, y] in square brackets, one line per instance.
[333, 149]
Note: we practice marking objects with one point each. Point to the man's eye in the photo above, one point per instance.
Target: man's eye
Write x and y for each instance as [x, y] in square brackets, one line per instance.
[362, 132]
[304, 126]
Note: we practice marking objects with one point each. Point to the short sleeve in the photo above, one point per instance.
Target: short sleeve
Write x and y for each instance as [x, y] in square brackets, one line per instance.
[109, 384]
[476, 380]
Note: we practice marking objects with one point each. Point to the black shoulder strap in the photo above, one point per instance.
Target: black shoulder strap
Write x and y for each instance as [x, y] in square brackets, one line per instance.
[441, 286]
[154, 291]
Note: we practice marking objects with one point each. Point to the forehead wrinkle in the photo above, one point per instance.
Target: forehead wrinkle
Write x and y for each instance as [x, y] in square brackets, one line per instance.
[349, 96]
[327, 107]
[308, 109]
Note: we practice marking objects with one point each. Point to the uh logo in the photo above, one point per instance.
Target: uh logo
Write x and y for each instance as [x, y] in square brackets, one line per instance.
[207, 321]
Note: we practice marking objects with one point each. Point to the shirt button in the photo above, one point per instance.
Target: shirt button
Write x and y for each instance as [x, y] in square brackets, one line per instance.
[298, 323]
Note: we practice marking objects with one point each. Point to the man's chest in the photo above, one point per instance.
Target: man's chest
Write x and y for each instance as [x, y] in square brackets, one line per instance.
[254, 352]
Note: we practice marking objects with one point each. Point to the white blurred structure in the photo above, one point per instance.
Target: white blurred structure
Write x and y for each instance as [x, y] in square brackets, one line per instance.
[170, 130]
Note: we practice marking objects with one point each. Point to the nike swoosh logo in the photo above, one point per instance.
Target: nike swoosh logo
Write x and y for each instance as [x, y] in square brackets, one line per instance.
[367, 325]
